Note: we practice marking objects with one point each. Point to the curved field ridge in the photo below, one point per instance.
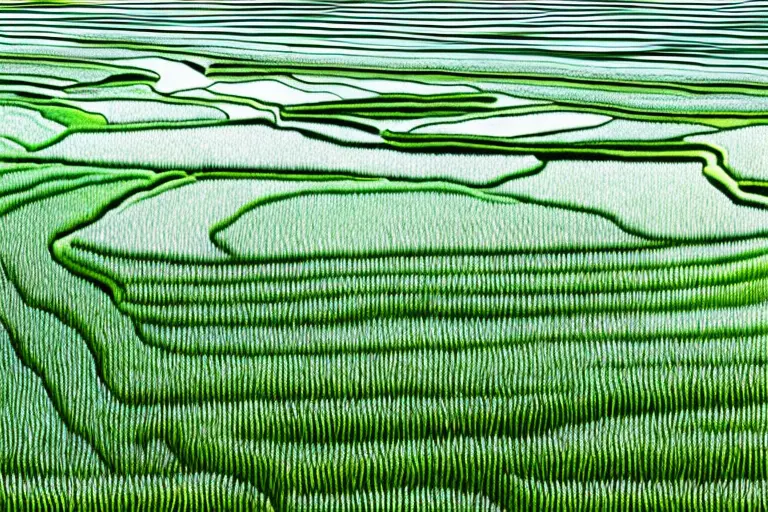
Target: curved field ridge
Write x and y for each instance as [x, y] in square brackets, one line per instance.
[416, 221]
[335, 256]
[635, 193]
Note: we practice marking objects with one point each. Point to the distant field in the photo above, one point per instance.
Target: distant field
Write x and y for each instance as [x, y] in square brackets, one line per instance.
[399, 255]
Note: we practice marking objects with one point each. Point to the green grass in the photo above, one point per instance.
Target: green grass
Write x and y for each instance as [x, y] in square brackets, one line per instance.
[322, 306]
[341, 393]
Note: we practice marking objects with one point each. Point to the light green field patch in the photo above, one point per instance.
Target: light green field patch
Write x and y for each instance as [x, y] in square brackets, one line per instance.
[388, 86]
[9, 147]
[27, 127]
[25, 91]
[375, 223]
[132, 111]
[234, 111]
[339, 134]
[620, 130]
[190, 212]
[114, 92]
[272, 91]
[514, 126]
[251, 109]
[70, 117]
[639, 100]
[266, 148]
[46, 81]
[673, 201]
[339, 91]
[744, 150]
[73, 73]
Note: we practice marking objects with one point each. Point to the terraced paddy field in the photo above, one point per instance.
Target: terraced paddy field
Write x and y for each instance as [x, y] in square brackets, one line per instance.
[396, 255]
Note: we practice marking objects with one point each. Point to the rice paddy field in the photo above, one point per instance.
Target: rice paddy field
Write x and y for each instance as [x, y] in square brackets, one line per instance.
[340, 255]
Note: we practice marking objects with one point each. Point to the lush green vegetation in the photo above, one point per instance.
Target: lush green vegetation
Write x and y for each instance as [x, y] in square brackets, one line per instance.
[405, 266]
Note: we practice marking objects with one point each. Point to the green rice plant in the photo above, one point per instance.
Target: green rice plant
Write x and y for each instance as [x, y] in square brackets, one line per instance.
[390, 334]
[196, 379]
[138, 268]
[255, 288]
[293, 257]
[531, 494]
[361, 423]
[182, 492]
[33, 438]
[356, 307]
[399, 499]
[338, 468]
